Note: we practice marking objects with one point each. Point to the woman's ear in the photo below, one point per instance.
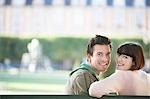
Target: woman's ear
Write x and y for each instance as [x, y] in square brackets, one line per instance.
[133, 63]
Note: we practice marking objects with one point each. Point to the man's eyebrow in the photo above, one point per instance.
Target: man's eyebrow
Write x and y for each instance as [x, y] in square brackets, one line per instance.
[99, 52]
[108, 53]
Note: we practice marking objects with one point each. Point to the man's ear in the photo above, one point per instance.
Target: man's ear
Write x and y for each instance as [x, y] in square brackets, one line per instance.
[88, 56]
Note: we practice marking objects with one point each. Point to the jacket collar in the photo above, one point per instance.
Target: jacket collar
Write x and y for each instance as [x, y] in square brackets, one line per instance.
[88, 67]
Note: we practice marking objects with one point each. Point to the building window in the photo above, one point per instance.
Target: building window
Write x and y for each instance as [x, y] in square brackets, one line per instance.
[140, 3]
[88, 2]
[147, 3]
[7, 2]
[18, 2]
[99, 18]
[129, 3]
[2, 2]
[78, 2]
[75, 2]
[110, 2]
[78, 19]
[17, 20]
[58, 2]
[140, 20]
[2, 22]
[28, 2]
[119, 3]
[67, 2]
[48, 2]
[99, 2]
[119, 19]
[38, 2]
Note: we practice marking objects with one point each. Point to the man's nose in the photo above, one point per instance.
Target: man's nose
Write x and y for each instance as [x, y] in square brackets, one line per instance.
[105, 58]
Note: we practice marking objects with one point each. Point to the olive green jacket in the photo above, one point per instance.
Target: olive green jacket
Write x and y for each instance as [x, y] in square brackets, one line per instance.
[80, 80]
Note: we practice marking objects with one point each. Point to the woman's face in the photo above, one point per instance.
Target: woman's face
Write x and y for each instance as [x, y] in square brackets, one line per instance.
[124, 62]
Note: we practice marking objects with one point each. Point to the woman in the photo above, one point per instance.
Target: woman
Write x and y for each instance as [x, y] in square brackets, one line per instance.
[128, 79]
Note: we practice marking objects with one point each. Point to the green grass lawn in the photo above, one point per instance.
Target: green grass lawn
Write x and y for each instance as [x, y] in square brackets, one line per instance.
[34, 82]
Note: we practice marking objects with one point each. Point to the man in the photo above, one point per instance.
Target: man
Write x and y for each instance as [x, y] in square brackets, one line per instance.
[98, 59]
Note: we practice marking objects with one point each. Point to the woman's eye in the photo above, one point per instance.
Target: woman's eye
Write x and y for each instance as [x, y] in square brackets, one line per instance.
[125, 57]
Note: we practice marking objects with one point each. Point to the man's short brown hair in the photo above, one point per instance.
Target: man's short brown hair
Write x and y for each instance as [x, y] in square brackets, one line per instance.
[98, 39]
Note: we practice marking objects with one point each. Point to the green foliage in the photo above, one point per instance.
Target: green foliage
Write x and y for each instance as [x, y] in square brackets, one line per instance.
[9, 48]
[59, 49]
[68, 48]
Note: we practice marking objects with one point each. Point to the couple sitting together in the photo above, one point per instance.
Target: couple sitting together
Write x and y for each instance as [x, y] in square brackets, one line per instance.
[128, 79]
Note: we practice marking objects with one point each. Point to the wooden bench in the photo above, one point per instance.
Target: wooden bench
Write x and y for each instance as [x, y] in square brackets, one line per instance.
[68, 97]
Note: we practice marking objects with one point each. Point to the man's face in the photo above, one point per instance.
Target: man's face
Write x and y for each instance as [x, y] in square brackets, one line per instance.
[101, 58]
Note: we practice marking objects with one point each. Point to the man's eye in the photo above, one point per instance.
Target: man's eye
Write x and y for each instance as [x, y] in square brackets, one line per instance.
[108, 54]
[100, 54]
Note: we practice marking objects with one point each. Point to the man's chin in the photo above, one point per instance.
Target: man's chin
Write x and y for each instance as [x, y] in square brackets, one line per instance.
[103, 70]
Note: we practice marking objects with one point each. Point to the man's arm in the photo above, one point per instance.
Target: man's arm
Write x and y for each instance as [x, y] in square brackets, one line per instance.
[81, 84]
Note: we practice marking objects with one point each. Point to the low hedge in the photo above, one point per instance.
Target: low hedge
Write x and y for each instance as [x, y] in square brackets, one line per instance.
[57, 49]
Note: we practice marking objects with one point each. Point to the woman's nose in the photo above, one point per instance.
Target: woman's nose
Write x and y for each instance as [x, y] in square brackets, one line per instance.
[119, 59]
